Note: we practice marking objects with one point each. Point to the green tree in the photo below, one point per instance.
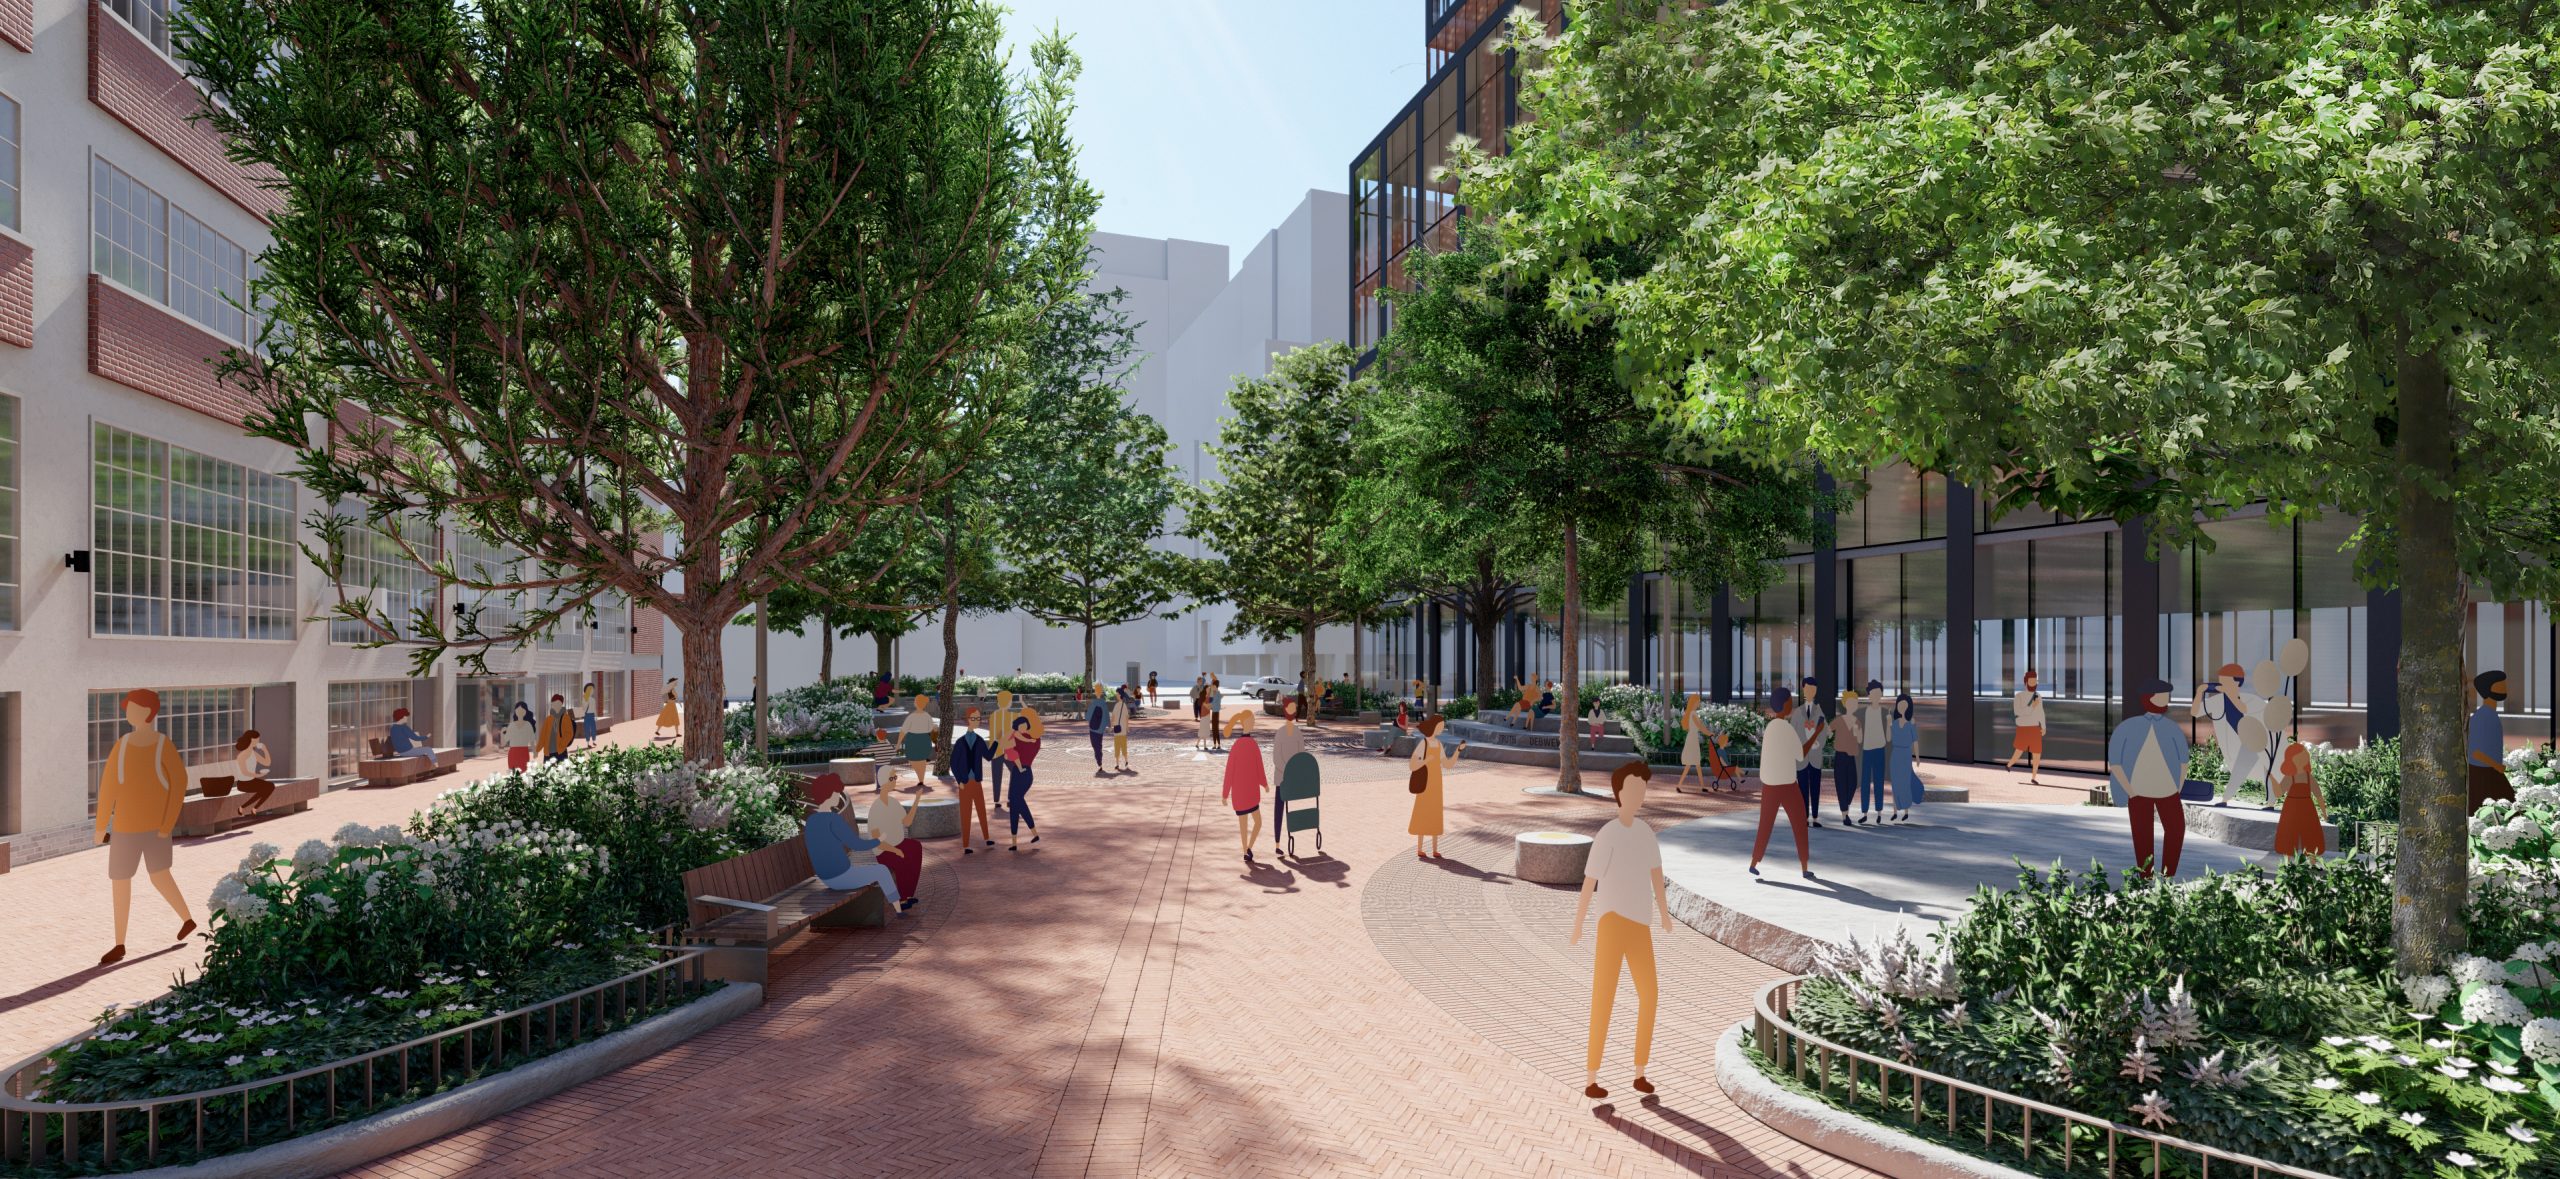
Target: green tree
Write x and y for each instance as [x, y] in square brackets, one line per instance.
[1285, 460]
[870, 588]
[1510, 421]
[2144, 260]
[563, 274]
[1083, 544]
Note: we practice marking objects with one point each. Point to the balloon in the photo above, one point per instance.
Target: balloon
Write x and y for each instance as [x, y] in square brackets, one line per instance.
[2276, 715]
[2264, 679]
[2295, 656]
[2253, 733]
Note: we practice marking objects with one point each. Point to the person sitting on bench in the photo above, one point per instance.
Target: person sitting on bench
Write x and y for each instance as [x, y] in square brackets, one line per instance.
[406, 741]
[250, 763]
[842, 859]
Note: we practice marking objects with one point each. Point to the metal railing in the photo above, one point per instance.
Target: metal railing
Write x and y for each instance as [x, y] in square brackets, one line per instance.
[36, 1132]
[1797, 1051]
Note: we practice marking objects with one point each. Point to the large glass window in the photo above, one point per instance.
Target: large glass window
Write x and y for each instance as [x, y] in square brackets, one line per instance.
[360, 713]
[1773, 636]
[148, 17]
[379, 564]
[1682, 616]
[186, 545]
[8, 512]
[204, 722]
[492, 612]
[157, 250]
[2259, 587]
[1901, 505]
[2050, 606]
[1896, 610]
[10, 138]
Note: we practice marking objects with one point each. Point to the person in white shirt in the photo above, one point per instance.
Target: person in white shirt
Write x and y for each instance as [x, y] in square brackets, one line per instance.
[1625, 873]
[2027, 709]
[1877, 725]
[2226, 702]
[1780, 754]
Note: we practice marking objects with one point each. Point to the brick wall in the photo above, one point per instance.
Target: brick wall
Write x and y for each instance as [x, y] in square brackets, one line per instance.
[18, 23]
[140, 344]
[17, 290]
[144, 90]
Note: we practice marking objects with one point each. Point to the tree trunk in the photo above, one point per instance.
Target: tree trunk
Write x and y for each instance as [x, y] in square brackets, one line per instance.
[762, 694]
[1357, 626]
[1092, 668]
[2432, 872]
[826, 651]
[884, 652]
[702, 689]
[1306, 665]
[1568, 726]
[950, 635]
[1485, 618]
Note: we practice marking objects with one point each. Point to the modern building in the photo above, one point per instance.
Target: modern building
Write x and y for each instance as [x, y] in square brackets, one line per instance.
[1926, 587]
[146, 541]
[1200, 328]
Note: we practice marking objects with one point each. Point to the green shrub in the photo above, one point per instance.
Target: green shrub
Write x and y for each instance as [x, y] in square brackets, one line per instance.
[1501, 700]
[837, 712]
[2362, 784]
[1459, 708]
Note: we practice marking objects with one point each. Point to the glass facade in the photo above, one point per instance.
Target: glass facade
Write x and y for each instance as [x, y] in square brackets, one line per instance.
[10, 137]
[2050, 606]
[377, 563]
[359, 713]
[1894, 609]
[204, 722]
[186, 545]
[8, 513]
[1773, 635]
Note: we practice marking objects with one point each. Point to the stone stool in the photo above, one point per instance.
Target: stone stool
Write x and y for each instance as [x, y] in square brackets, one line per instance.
[936, 818]
[1551, 857]
[1950, 793]
[856, 771]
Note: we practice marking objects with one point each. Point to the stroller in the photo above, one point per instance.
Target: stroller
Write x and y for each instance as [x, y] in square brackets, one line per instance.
[1300, 782]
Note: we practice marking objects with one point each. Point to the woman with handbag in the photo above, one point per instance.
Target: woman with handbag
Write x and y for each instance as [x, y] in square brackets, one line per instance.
[1429, 764]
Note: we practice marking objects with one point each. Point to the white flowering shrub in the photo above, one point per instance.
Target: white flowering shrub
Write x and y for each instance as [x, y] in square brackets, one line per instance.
[837, 712]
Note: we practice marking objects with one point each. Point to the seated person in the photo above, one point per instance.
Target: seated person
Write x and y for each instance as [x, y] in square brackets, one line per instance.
[249, 764]
[1546, 702]
[842, 859]
[406, 741]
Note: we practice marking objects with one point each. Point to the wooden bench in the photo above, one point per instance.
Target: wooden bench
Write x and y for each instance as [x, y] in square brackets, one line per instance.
[382, 769]
[746, 905]
[211, 813]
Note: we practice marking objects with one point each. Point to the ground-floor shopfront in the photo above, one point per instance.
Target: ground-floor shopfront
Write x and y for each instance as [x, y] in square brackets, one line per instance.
[1930, 592]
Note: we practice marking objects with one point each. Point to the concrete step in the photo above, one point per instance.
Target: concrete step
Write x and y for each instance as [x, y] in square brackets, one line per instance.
[1482, 735]
[1594, 760]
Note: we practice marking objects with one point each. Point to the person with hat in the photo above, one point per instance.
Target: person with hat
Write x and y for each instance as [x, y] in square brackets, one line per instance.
[2227, 702]
[2145, 759]
[1779, 755]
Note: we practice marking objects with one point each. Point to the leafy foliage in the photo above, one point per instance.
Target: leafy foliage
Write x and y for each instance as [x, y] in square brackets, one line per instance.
[831, 713]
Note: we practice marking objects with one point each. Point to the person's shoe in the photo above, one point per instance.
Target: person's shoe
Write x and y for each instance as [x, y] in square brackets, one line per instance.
[1755, 869]
[1817, 824]
[1643, 1086]
[1035, 838]
[968, 851]
[113, 956]
[1594, 1090]
[2221, 802]
[1808, 873]
[991, 843]
[188, 928]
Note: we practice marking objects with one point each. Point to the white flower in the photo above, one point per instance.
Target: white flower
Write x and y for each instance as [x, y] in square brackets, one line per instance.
[2470, 968]
[2414, 1118]
[2459, 1159]
[259, 855]
[2532, 952]
[2499, 1084]
[2495, 1006]
[2502, 1068]
[2522, 1133]
[234, 1062]
[268, 1052]
[2440, 1045]
[2542, 1040]
[2328, 1084]
[328, 905]
[2427, 992]
[2369, 1098]
[2459, 1074]
[2336, 1041]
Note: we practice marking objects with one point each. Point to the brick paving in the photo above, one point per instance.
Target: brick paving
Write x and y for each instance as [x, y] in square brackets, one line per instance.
[1124, 998]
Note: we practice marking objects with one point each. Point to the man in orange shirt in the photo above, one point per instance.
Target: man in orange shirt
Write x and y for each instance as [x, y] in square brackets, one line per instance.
[139, 795]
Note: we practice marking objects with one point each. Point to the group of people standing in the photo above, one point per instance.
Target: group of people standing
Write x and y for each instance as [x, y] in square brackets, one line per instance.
[1874, 746]
[549, 736]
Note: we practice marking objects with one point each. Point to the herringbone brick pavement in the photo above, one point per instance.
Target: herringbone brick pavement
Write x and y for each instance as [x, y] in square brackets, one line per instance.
[1128, 998]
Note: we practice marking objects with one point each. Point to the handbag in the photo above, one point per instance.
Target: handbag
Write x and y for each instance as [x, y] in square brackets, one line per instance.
[1420, 781]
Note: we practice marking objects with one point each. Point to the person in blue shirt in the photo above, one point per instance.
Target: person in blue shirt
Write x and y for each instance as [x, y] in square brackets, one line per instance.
[406, 741]
[841, 858]
[971, 754]
[2485, 753]
[2146, 766]
[1097, 725]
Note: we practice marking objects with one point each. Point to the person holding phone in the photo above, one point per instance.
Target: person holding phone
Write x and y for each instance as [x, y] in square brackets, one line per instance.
[1429, 764]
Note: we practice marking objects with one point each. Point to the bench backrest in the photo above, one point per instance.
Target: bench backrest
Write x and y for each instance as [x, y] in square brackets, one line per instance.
[754, 876]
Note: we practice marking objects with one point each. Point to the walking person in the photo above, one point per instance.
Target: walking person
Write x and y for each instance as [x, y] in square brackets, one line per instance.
[1692, 759]
[1121, 703]
[915, 742]
[1904, 734]
[1848, 743]
[2144, 759]
[1245, 781]
[1429, 766]
[1809, 732]
[1876, 725]
[559, 731]
[2226, 702]
[1151, 689]
[141, 790]
[587, 721]
[1097, 725]
[1217, 715]
[1026, 745]
[1778, 753]
[1624, 873]
[2026, 710]
[519, 736]
[971, 754]
[670, 716]
[1200, 712]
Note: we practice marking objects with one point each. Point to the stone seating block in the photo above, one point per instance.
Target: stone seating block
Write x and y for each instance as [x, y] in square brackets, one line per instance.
[1551, 857]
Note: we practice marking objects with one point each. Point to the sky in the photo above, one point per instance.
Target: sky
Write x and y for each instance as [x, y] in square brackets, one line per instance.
[1209, 119]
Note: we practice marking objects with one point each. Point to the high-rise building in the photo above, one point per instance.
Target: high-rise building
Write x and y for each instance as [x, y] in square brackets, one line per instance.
[1926, 586]
[146, 541]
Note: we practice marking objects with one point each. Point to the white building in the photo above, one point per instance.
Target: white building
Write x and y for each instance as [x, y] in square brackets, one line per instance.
[1200, 328]
[145, 540]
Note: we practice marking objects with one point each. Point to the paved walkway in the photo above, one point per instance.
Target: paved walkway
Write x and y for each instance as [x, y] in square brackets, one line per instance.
[1127, 997]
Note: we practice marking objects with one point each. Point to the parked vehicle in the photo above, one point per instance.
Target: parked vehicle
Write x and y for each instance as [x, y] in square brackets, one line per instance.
[1269, 687]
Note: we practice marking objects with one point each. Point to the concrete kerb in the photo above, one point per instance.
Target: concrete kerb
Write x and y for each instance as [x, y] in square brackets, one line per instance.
[1836, 1131]
[357, 1143]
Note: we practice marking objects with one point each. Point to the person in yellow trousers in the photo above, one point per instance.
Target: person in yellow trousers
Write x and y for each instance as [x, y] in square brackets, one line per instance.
[139, 795]
[1625, 873]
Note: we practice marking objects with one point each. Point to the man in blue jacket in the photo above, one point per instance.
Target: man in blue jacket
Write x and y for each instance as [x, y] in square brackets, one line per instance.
[2146, 766]
[1097, 725]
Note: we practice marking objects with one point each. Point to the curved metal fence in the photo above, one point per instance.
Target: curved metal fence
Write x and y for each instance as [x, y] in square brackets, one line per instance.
[2082, 1144]
[113, 1135]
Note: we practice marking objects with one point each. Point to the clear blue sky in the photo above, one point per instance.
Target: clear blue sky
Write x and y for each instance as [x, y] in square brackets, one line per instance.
[1209, 119]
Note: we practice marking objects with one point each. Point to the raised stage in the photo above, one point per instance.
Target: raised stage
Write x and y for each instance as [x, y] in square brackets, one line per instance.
[1871, 879]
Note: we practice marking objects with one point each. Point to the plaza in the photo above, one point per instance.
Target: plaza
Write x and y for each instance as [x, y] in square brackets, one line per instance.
[1752, 590]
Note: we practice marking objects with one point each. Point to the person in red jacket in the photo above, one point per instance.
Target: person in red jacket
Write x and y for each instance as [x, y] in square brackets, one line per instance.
[1245, 781]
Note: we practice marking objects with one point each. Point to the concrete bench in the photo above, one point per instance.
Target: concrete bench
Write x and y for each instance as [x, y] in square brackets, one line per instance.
[382, 769]
[744, 906]
[1551, 857]
[210, 813]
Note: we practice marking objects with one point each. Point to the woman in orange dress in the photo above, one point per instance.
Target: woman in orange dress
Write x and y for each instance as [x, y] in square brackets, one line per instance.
[2298, 830]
